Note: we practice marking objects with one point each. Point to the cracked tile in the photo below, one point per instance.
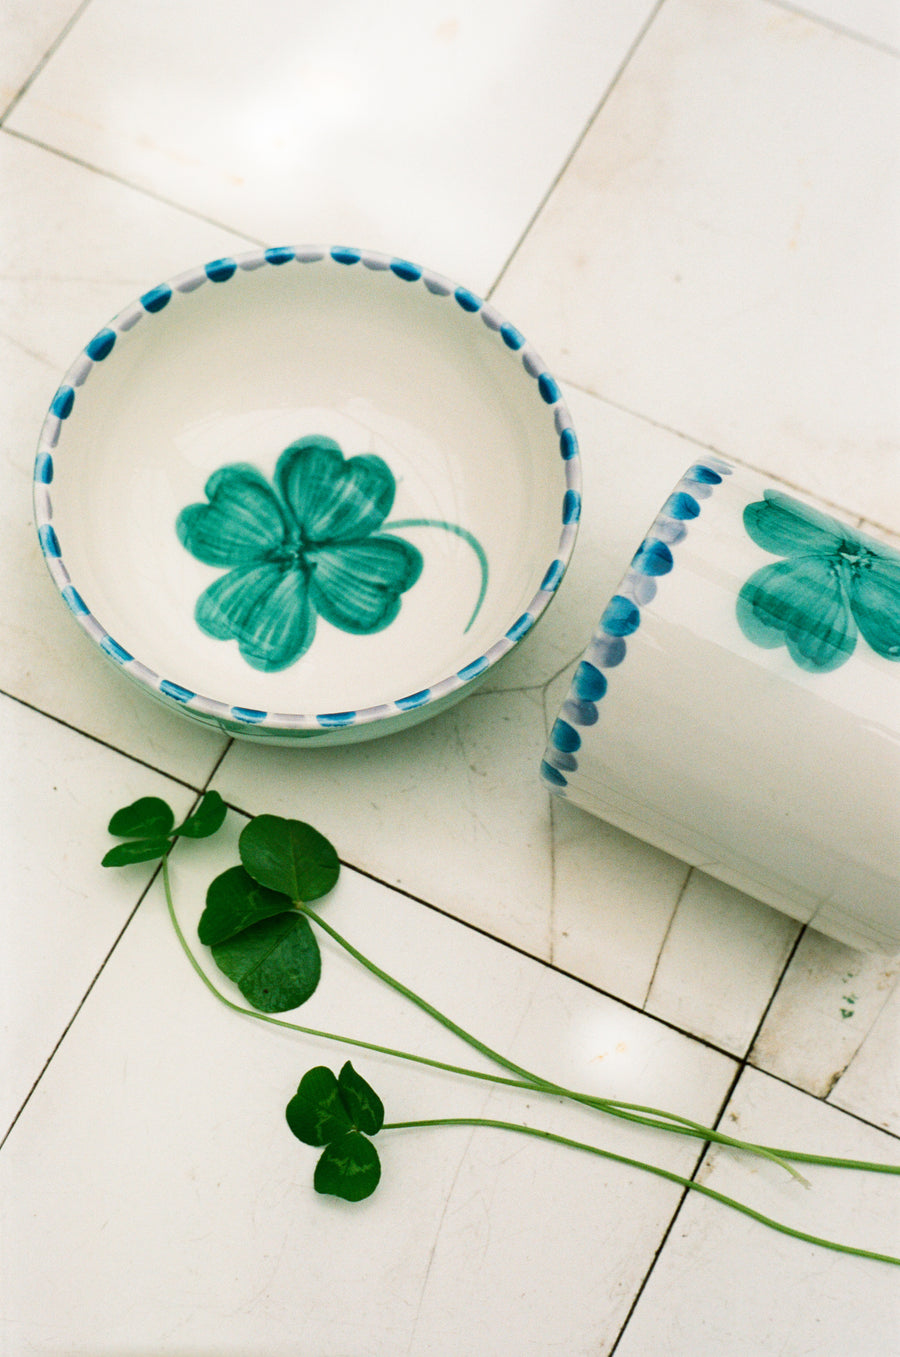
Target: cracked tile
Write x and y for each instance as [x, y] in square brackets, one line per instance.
[823, 1013]
[614, 898]
[720, 963]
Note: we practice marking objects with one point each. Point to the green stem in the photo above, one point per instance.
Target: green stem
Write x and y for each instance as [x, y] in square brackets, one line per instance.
[316, 1032]
[645, 1116]
[457, 532]
[649, 1168]
[627, 1111]
[527, 1084]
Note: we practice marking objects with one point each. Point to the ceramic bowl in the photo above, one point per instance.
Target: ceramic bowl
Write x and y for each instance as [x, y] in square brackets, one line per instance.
[307, 493]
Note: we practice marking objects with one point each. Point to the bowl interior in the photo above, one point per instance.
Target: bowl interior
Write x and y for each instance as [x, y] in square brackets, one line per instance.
[233, 372]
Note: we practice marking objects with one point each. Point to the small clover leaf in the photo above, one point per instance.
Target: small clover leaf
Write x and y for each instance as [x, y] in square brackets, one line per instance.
[139, 850]
[147, 817]
[317, 1114]
[234, 901]
[275, 963]
[339, 1114]
[149, 823]
[348, 1168]
[206, 819]
[361, 1101]
[289, 856]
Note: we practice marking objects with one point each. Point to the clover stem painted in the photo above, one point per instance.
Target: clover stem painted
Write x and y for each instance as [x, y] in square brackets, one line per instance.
[640, 1164]
[466, 536]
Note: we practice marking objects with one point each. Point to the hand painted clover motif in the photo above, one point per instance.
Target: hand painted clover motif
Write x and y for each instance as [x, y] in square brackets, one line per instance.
[832, 584]
[308, 545]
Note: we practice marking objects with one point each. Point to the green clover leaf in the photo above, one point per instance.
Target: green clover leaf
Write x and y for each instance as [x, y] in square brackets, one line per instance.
[289, 856]
[339, 1114]
[149, 824]
[275, 963]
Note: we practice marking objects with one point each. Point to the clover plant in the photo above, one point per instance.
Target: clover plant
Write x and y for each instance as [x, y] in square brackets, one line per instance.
[258, 925]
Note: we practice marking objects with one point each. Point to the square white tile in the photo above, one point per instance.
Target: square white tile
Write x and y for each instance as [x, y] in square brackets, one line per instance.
[62, 912]
[56, 293]
[876, 20]
[720, 255]
[821, 1023]
[159, 1202]
[731, 1285]
[411, 128]
[28, 29]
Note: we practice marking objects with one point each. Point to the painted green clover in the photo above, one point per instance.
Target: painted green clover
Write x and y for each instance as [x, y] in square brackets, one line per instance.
[307, 545]
[832, 584]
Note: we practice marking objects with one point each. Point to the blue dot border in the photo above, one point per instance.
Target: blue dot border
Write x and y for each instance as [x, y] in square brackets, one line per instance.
[621, 619]
[163, 298]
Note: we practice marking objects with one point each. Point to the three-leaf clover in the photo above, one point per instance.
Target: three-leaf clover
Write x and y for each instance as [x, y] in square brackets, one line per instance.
[833, 583]
[340, 1114]
[148, 825]
[252, 921]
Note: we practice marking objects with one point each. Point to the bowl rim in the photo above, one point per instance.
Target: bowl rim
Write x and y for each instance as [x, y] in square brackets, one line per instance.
[238, 719]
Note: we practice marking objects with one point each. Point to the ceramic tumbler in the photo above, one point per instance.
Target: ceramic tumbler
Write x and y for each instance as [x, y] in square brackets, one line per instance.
[738, 705]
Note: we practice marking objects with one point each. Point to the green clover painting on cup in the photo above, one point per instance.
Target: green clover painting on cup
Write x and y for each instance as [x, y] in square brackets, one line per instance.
[832, 585]
[311, 543]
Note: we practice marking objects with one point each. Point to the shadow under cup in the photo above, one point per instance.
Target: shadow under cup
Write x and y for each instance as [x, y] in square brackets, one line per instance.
[738, 705]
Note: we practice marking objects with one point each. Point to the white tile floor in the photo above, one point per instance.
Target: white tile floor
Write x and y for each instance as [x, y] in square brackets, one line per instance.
[691, 209]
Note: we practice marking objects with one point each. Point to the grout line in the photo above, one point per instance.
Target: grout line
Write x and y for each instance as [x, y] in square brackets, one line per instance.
[82, 1001]
[118, 938]
[775, 989]
[727, 456]
[135, 187]
[836, 27]
[105, 744]
[743, 1064]
[648, 22]
[51, 50]
[685, 1194]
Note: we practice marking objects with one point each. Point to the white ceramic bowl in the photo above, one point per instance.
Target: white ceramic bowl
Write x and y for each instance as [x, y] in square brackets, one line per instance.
[307, 493]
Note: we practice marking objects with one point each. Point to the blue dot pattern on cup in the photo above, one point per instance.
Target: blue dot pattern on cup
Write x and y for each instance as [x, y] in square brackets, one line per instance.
[621, 619]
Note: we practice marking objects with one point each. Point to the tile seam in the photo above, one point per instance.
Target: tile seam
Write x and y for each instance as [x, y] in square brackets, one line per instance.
[592, 118]
[106, 744]
[50, 52]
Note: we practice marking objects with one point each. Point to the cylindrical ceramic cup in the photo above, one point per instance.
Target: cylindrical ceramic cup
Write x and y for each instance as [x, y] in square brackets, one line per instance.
[739, 703]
